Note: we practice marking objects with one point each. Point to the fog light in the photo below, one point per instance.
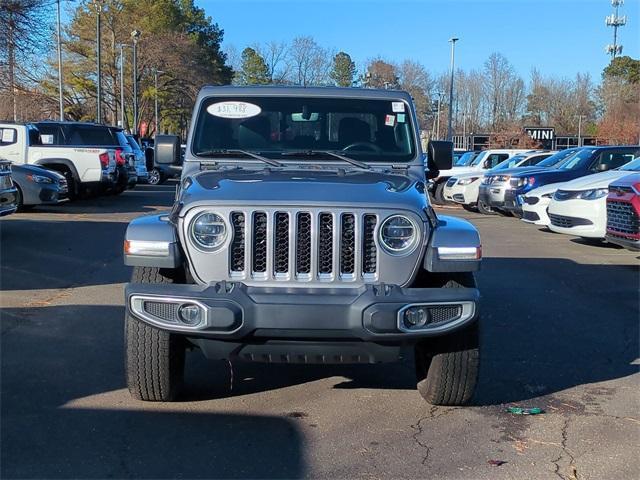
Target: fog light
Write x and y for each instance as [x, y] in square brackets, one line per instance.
[190, 314]
[415, 317]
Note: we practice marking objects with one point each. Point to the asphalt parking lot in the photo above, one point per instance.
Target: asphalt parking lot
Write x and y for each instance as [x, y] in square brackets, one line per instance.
[560, 332]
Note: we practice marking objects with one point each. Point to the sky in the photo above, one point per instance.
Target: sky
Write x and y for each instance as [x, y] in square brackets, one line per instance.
[559, 37]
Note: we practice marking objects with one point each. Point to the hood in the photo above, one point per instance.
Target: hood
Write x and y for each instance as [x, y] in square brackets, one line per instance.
[25, 169]
[544, 190]
[517, 171]
[457, 171]
[597, 180]
[478, 174]
[306, 187]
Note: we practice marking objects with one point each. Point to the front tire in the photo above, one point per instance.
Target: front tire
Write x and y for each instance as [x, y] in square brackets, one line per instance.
[438, 194]
[447, 367]
[154, 358]
[155, 177]
[484, 208]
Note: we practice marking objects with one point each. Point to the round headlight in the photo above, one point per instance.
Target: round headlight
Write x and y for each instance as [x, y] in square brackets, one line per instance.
[208, 231]
[398, 235]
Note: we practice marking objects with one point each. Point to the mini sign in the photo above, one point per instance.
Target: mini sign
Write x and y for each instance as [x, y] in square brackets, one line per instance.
[234, 110]
[540, 133]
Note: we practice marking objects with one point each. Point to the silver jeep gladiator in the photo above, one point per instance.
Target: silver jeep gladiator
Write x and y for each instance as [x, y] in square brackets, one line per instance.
[302, 232]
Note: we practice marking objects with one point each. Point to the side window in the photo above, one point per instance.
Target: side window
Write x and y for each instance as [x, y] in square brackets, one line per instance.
[611, 159]
[495, 158]
[8, 136]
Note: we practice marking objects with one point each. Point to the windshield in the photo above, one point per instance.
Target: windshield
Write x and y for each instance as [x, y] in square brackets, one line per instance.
[465, 159]
[557, 158]
[509, 162]
[633, 165]
[479, 158]
[370, 129]
[581, 157]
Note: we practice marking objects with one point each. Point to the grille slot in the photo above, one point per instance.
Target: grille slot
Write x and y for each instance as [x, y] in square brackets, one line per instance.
[281, 243]
[325, 244]
[348, 244]
[303, 244]
[567, 222]
[369, 249]
[237, 244]
[622, 218]
[290, 245]
[163, 310]
[259, 263]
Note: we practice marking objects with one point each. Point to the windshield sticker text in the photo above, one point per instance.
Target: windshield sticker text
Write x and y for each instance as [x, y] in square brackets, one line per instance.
[233, 110]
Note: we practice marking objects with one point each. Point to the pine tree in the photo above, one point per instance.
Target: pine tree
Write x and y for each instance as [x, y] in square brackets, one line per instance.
[343, 72]
[254, 70]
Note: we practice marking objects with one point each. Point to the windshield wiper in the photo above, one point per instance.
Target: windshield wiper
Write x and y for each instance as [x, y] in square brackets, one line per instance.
[273, 163]
[311, 153]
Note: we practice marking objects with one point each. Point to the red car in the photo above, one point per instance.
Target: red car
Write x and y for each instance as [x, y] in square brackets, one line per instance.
[623, 212]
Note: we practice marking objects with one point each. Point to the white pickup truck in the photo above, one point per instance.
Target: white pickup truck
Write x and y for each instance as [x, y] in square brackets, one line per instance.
[87, 168]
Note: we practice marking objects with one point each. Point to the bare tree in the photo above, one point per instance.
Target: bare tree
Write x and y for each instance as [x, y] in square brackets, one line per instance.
[415, 79]
[310, 63]
[275, 56]
[381, 74]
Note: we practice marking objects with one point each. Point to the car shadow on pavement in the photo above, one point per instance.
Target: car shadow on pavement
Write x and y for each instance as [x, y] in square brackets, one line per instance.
[64, 413]
[75, 254]
[540, 338]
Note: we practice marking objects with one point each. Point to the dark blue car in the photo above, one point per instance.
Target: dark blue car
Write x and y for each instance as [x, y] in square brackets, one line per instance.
[586, 161]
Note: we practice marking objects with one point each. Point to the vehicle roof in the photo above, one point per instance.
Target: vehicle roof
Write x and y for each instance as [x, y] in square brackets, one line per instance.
[72, 122]
[298, 91]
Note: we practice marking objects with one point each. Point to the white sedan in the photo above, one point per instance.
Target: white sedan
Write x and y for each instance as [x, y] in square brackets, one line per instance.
[579, 207]
[536, 202]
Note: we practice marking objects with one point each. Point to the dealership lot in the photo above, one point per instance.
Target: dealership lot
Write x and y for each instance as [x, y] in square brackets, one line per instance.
[560, 332]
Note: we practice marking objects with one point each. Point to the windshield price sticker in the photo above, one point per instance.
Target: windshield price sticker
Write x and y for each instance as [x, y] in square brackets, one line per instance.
[234, 110]
[397, 107]
[390, 120]
[400, 118]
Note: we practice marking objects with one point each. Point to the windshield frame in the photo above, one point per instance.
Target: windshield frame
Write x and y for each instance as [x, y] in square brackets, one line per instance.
[412, 158]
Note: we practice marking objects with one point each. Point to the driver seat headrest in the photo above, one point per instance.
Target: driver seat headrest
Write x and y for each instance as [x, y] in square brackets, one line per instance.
[352, 130]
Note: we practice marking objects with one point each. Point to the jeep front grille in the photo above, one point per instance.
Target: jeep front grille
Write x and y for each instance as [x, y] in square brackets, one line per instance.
[303, 246]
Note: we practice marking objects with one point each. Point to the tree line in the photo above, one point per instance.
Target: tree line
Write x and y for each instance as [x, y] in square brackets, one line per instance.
[181, 48]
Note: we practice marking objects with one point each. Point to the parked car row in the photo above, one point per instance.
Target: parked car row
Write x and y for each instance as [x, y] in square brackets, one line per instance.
[49, 162]
[579, 191]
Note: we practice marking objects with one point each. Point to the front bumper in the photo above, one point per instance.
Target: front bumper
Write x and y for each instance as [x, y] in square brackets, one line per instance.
[245, 316]
[513, 200]
[8, 201]
[630, 242]
[492, 195]
[583, 218]
[536, 213]
[462, 194]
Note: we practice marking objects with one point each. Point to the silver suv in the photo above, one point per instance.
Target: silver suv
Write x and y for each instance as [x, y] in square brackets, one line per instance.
[302, 233]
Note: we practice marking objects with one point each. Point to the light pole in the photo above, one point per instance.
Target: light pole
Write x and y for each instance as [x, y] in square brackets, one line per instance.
[98, 4]
[122, 110]
[60, 104]
[155, 83]
[440, 94]
[580, 130]
[453, 41]
[135, 35]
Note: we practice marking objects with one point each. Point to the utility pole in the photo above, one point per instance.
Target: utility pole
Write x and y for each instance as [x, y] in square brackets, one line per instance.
[98, 4]
[464, 130]
[135, 35]
[60, 100]
[155, 80]
[453, 41]
[12, 61]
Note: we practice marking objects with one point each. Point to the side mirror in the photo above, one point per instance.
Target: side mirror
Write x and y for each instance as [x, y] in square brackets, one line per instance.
[439, 157]
[603, 167]
[167, 150]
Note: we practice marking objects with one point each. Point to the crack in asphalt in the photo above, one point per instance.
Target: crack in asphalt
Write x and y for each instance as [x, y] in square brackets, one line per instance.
[564, 451]
[434, 412]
